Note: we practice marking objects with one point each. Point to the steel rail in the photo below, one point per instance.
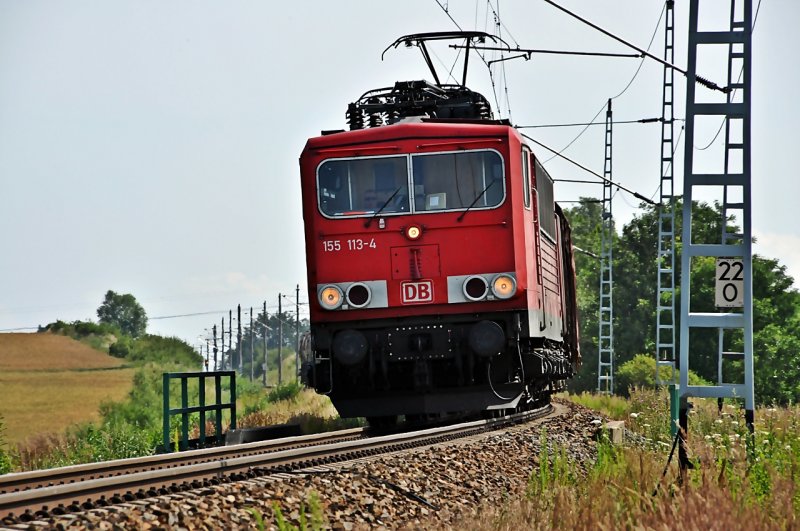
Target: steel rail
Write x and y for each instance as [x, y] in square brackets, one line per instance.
[44, 502]
[70, 474]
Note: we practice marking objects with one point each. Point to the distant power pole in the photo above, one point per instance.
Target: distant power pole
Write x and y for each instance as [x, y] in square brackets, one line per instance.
[252, 357]
[297, 332]
[264, 376]
[280, 341]
[239, 337]
[230, 339]
[222, 335]
[214, 328]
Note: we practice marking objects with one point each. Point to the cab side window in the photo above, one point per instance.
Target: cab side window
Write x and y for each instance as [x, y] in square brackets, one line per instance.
[544, 188]
[526, 177]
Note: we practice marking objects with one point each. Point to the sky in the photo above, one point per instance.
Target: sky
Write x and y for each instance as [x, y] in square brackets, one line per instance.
[151, 147]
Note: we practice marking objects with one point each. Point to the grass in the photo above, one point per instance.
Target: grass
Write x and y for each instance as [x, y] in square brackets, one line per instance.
[314, 413]
[612, 406]
[623, 487]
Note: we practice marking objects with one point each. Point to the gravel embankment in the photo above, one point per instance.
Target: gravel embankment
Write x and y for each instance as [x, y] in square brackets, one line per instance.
[416, 489]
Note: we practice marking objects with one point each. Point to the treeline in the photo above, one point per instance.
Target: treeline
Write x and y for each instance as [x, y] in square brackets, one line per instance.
[121, 331]
[776, 304]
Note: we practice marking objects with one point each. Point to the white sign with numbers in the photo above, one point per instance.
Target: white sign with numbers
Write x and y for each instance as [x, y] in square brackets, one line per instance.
[730, 283]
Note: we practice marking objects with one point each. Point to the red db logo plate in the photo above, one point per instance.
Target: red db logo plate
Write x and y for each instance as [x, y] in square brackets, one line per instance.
[418, 292]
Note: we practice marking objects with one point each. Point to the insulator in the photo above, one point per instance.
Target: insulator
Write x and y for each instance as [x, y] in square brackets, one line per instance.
[485, 110]
[354, 117]
[392, 117]
[375, 119]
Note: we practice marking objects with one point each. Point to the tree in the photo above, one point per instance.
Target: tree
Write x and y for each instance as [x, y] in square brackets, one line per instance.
[123, 311]
[776, 305]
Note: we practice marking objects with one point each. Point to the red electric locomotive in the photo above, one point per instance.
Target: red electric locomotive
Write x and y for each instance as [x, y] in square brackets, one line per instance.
[440, 270]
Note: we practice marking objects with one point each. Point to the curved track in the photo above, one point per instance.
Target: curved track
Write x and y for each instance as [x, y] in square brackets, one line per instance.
[39, 494]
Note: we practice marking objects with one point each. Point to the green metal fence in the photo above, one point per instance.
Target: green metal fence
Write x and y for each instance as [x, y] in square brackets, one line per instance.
[202, 408]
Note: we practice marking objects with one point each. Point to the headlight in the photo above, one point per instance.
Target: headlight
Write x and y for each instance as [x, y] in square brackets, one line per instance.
[358, 295]
[330, 297]
[504, 286]
[413, 232]
[475, 288]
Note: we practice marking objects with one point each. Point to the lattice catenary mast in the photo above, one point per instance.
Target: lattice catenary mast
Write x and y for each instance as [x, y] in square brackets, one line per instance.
[605, 338]
[735, 325]
[665, 262]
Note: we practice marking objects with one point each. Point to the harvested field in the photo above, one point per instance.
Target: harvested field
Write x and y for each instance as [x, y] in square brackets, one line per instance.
[32, 352]
[48, 382]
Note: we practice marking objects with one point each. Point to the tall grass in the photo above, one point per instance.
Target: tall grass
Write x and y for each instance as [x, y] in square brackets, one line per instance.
[623, 489]
[133, 427]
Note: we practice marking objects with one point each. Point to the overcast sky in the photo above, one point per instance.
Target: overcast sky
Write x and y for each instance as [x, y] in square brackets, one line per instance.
[151, 147]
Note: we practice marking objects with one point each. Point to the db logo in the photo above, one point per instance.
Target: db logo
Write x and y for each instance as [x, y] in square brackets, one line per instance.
[417, 292]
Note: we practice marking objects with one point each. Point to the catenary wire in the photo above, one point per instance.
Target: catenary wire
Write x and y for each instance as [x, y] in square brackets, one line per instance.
[491, 77]
[635, 74]
[584, 168]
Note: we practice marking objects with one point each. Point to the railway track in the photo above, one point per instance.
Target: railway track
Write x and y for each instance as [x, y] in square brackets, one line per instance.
[37, 495]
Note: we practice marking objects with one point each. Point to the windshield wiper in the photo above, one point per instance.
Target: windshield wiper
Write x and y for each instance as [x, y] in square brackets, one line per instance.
[459, 218]
[375, 215]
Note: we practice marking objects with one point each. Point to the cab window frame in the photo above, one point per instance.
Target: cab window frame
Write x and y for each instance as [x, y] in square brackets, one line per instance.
[410, 184]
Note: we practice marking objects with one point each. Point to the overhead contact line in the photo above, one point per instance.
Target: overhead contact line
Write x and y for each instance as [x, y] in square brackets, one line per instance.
[644, 53]
[637, 195]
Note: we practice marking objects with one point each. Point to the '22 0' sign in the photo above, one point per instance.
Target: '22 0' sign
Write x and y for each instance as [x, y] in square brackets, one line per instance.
[729, 292]
[419, 292]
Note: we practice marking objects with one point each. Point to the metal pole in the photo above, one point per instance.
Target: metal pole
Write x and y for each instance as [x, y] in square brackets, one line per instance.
[297, 332]
[252, 361]
[230, 339]
[239, 337]
[280, 341]
[214, 328]
[266, 320]
[222, 335]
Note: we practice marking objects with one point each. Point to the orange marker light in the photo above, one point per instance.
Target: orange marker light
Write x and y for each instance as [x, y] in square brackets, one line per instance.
[504, 286]
[330, 297]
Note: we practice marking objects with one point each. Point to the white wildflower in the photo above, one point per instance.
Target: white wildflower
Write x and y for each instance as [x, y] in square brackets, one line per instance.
[634, 415]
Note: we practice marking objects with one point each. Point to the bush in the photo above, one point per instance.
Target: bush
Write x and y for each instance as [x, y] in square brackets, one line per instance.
[641, 372]
[121, 348]
[157, 349]
[5, 462]
[287, 391]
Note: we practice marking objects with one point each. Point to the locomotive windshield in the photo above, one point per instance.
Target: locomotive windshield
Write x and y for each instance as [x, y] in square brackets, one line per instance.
[436, 182]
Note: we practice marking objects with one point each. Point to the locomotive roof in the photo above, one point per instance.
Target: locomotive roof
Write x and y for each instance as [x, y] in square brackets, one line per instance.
[425, 128]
